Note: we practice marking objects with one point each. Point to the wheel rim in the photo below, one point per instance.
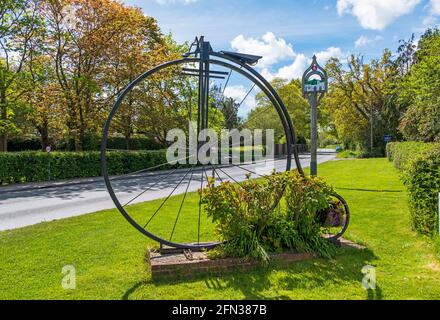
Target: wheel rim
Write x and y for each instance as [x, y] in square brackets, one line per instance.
[281, 111]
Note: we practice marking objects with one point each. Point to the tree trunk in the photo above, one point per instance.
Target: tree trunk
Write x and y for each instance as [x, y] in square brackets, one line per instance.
[127, 140]
[3, 115]
[44, 136]
[371, 133]
[3, 143]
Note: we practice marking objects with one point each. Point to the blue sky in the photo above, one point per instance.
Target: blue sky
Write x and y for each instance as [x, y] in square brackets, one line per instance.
[289, 32]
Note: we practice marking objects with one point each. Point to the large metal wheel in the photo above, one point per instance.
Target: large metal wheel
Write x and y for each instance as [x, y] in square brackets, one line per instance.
[174, 215]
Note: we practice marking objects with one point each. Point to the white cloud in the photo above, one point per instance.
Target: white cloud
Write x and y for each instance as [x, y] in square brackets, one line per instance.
[435, 7]
[238, 93]
[364, 41]
[163, 2]
[331, 52]
[272, 49]
[293, 71]
[296, 69]
[434, 11]
[376, 14]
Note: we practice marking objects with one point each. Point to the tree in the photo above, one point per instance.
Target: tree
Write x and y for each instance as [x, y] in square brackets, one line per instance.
[45, 102]
[96, 47]
[21, 28]
[265, 116]
[419, 90]
[359, 100]
[229, 109]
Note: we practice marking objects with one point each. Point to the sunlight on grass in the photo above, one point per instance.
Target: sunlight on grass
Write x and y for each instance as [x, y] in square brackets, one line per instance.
[109, 254]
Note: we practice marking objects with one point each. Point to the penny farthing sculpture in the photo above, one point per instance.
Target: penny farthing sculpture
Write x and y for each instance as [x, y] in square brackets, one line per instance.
[214, 90]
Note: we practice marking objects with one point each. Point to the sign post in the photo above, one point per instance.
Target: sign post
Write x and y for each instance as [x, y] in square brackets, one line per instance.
[48, 150]
[315, 85]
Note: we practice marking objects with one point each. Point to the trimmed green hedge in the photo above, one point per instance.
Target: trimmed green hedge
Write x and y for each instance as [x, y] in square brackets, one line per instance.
[35, 166]
[16, 167]
[401, 153]
[420, 165]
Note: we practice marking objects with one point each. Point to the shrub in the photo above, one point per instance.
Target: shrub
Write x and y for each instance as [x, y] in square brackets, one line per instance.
[420, 166]
[306, 199]
[252, 221]
[401, 153]
[18, 167]
[422, 178]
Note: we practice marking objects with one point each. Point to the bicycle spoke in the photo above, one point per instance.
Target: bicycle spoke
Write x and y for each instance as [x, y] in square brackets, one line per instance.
[226, 84]
[254, 116]
[250, 171]
[213, 168]
[230, 177]
[245, 97]
[149, 188]
[166, 199]
[145, 170]
[247, 94]
[181, 204]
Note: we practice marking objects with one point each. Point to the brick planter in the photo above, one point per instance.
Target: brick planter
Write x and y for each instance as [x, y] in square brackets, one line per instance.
[178, 264]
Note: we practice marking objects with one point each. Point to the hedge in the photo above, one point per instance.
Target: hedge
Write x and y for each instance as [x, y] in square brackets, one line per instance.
[16, 167]
[90, 143]
[401, 153]
[35, 166]
[420, 166]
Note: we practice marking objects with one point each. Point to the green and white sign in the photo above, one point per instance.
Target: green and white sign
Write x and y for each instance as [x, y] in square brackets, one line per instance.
[315, 79]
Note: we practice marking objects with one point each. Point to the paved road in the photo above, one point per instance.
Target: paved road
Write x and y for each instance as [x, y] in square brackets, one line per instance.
[29, 204]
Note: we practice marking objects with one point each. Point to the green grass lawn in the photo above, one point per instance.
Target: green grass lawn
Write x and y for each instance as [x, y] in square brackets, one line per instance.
[349, 154]
[109, 255]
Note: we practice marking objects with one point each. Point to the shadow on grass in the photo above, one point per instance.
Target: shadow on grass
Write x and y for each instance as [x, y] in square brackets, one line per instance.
[272, 281]
[370, 190]
[375, 294]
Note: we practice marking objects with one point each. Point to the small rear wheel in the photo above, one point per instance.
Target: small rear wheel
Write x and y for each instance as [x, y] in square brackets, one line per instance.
[336, 218]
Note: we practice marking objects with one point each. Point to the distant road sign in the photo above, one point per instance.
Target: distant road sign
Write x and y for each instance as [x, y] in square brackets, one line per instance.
[388, 138]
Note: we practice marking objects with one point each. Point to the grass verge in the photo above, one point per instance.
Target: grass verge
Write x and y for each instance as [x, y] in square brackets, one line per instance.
[109, 255]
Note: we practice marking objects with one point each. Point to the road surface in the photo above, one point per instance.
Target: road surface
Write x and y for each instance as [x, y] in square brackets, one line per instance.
[28, 204]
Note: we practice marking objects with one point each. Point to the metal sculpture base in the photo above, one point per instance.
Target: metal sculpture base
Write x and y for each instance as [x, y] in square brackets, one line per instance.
[164, 249]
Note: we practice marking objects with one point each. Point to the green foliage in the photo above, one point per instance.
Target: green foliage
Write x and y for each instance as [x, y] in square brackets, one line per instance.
[265, 223]
[265, 116]
[21, 30]
[420, 165]
[422, 178]
[437, 247]
[31, 258]
[401, 153]
[306, 199]
[361, 102]
[349, 154]
[419, 89]
[34, 166]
